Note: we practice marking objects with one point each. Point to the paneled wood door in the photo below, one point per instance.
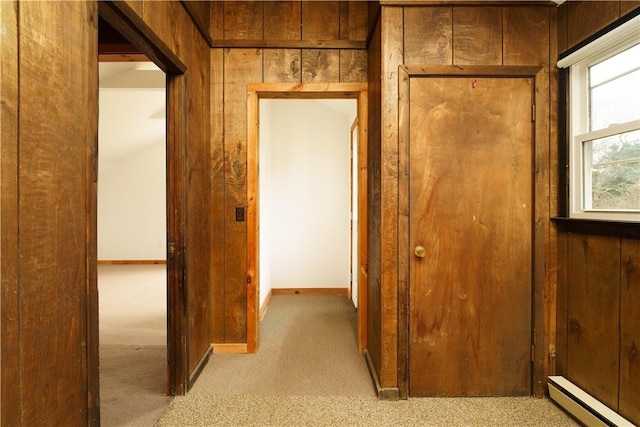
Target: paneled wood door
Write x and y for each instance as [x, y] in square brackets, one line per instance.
[470, 234]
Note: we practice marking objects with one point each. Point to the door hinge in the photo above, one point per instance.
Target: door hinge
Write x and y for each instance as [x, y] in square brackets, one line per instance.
[533, 353]
[533, 113]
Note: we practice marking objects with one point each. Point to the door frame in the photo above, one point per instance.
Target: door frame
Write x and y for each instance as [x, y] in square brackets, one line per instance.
[255, 92]
[542, 322]
[122, 18]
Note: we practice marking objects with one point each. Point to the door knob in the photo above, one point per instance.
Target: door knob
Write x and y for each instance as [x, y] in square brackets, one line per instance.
[420, 251]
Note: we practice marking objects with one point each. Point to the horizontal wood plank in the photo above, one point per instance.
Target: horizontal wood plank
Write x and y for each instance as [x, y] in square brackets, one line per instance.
[290, 44]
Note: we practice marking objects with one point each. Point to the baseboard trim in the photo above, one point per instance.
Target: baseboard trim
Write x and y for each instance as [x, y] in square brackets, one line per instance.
[582, 405]
[310, 291]
[200, 366]
[384, 393]
[265, 305]
[230, 348]
[132, 261]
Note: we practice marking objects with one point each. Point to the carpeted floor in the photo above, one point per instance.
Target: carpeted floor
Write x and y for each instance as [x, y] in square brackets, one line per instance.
[307, 371]
[133, 350]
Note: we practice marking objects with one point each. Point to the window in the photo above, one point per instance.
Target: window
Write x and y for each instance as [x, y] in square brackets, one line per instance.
[604, 146]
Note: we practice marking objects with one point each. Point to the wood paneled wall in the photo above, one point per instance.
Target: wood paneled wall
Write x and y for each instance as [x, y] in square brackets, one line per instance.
[452, 35]
[578, 20]
[263, 42]
[49, 86]
[598, 322]
[173, 24]
[48, 154]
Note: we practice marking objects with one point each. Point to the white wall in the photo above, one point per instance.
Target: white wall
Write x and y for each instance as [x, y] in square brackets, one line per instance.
[304, 193]
[131, 175]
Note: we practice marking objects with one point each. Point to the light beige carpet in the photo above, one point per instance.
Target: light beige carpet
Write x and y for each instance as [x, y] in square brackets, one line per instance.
[308, 372]
[133, 352]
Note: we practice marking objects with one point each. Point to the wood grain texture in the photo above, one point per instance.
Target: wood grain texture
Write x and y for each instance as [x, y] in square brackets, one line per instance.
[593, 343]
[157, 14]
[217, 215]
[562, 326]
[428, 35]
[243, 20]
[563, 27]
[630, 331]
[53, 197]
[216, 20]
[526, 36]
[373, 349]
[282, 20]
[392, 57]
[200, 14]
[363, 238]
[241, 66]
[587, 17]
[320, 20]
[282, 65]
[9, 220]
[477, 35]
[627, 6]
[353, 66]
[460, 344]
[320, 66]
[198, 184]
[354, 20]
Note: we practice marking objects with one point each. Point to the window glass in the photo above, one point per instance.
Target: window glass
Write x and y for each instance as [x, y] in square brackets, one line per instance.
[621, 63]
[615, 102]
[612, 168]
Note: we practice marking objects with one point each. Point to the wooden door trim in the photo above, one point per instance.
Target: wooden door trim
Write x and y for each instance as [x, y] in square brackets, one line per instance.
[121, 17]
[541, 229]
[255, 92]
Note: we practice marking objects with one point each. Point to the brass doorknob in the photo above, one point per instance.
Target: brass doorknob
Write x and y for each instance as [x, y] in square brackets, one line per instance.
[420, 251]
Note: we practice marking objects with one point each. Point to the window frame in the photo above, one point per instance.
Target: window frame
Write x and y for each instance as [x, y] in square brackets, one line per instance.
[577, 64]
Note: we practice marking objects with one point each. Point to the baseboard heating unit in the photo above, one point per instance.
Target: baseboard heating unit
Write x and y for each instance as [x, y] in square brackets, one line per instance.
[585, 408]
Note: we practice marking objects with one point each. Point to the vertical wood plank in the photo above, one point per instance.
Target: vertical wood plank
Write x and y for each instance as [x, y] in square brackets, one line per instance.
[353, 66]
[526, 36]
[198, 163]
[562, 305]
[363, 133]
[354, 20]
[594, 270]
[477, 35]
[53, 200]
[282, 20]
[587, 17]
[253, 230]
[282, 65]
[241, 66]
[374, 172]
[392, 54]
[630, 331]
[563, 27]
[9, 277]
[217, 298]
[627, 6]
[320, 65]
[320, 20]
[428, 35]
[157, 15]
[243, 20]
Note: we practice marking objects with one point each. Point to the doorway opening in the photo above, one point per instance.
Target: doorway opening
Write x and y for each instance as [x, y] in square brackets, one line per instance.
[305, 197]
[289, 218]
[132, 229]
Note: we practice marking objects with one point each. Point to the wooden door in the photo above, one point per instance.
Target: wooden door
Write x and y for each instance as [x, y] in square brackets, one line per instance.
[470, 192]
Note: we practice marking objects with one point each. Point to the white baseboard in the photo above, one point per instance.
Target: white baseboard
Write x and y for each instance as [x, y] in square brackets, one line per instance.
[582, 405]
